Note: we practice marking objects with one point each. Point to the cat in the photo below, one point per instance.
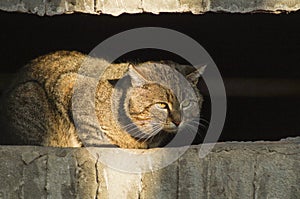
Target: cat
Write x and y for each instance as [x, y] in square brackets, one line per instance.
[133, 104]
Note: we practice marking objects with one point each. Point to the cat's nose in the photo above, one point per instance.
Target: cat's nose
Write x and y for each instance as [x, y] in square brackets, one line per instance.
[177, 123]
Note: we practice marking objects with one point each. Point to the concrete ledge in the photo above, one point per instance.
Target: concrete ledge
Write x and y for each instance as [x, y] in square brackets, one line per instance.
[117, 7]
[231, 170]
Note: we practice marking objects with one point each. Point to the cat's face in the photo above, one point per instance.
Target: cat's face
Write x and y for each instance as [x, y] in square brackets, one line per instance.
[155, 111]
[153, 108]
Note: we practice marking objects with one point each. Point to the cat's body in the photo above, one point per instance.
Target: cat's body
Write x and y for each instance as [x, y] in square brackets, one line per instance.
[38, 107]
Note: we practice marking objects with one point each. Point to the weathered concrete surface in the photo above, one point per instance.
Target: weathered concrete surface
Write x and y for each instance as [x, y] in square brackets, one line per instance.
[117, 7]
[231, 170]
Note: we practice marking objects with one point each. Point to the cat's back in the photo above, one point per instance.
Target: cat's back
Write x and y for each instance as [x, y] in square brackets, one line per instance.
[38, 95]
[37, 107]
[48, 68]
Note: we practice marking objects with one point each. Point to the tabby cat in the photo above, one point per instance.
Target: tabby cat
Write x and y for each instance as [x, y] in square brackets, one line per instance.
[133, 105]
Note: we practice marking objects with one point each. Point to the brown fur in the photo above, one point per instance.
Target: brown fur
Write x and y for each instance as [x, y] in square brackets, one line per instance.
[38, 106]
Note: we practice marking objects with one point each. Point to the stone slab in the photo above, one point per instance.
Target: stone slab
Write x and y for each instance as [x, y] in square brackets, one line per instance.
[230, 170]
[118, 7]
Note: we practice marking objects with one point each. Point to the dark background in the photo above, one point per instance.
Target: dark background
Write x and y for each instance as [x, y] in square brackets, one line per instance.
[258, 56]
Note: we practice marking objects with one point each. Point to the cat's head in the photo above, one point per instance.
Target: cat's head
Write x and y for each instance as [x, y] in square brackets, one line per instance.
[157, 112]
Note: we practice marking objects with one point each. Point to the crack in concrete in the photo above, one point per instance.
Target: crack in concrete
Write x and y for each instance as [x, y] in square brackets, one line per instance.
[76, 175]
[141, 7]
[255, 177]
[45, 8]
[46, 179]
[34, 159]
[140, 187]
[177, 176]
[97, 177]
[21, 185]
[95, 6]
[29, 163]
[281, 153]
[208, 173]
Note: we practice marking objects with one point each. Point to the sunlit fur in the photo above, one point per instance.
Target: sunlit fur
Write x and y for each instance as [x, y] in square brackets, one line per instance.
[37, 108]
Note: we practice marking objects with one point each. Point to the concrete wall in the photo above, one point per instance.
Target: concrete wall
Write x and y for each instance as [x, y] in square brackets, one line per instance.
[231, 170]
[117, 7]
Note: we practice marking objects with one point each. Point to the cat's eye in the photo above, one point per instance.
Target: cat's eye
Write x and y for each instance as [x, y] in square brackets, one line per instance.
[161, 105]
[185, 103]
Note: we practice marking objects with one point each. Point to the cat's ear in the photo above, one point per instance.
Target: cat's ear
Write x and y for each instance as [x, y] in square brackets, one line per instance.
[113, 82]
[194, 76]
[137, 79]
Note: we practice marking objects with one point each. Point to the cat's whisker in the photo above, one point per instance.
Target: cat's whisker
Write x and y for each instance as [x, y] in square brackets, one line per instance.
[128, 125]
[132, 128]
[203, 126]
[150, 133]
[145, 136]
[151, 139]
[190, 125]
[204, 120]
[198, 123]
[131, 125]
[155, 131]
[141, 132]
[136, 132]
